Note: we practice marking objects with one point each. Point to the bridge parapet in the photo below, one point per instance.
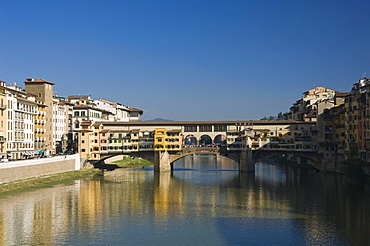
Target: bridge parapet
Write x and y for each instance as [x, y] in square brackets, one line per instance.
[194, 150]
[213, 150]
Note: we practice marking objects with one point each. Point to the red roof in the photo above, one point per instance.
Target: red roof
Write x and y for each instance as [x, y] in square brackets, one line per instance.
[31, 80]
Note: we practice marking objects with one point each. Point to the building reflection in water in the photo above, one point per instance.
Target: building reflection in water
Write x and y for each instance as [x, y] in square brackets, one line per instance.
[316, 208]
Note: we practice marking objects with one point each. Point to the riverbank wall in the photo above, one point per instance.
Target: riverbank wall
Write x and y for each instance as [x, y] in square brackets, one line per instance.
[25, 169]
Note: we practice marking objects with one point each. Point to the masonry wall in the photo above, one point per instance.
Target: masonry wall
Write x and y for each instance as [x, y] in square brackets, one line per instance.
[18, 170]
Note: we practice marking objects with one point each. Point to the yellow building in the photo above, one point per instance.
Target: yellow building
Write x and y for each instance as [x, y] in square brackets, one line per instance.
[85, 139]
[39, 128]
[167, 139]
[173, 140]
[159, 139]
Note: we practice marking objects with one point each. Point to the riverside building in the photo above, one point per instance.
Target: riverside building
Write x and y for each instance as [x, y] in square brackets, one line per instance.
[43, 91]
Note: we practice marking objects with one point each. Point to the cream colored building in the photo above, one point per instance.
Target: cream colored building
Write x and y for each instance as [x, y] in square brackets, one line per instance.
[21, 110]
[3, 119]
[60, 126]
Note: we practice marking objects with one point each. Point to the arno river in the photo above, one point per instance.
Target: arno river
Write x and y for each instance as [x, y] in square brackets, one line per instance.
[204, 201]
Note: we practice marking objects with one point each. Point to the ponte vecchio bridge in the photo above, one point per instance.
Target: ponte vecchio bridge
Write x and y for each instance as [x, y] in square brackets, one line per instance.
[165, 142]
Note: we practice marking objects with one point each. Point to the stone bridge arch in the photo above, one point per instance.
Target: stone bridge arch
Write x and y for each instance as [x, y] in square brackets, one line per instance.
[147, 155]
[199, 150]
[163, 160]
[300, 157]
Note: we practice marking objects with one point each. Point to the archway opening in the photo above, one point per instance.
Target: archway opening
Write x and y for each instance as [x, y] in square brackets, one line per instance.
[220, 141]
[205, 140]
[190, 140]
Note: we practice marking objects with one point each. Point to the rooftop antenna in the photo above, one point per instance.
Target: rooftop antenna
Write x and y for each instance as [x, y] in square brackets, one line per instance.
[364, 75]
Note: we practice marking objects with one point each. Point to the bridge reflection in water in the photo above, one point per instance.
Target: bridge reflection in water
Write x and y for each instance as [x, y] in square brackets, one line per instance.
[191, 205]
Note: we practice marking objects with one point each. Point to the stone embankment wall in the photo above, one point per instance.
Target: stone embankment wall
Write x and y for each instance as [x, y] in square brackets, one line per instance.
[18, 170]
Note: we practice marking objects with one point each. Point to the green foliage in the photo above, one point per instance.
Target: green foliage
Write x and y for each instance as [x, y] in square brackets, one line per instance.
[268, 118]
[46, 180]
[127, 162]
[280, 116]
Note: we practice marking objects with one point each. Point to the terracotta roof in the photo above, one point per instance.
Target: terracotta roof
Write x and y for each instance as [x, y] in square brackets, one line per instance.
[86, 123]
[97, 124]
[26, 100]
[184, 123]
[135, 110]
[119, 131]
[84, 130]
[16, 91]
[78, 97]
[89, 107]
[341, 94]
[174, 131]
[65, 102]
[31, 80]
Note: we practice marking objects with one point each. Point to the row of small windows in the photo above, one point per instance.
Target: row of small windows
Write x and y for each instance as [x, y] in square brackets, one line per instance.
[206, 128]
[167, 146]
[83, 113]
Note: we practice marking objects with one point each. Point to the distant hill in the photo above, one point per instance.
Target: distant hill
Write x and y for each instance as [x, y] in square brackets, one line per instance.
[159, 119]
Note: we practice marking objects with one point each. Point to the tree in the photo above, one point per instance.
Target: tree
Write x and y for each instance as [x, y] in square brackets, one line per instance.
[268, 118]
[282, 116]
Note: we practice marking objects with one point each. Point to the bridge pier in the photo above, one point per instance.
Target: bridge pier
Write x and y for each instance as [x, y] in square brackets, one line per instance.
[162, 161]
[246, 163]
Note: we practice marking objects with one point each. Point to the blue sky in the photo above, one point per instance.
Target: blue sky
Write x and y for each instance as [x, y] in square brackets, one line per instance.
[187, 60]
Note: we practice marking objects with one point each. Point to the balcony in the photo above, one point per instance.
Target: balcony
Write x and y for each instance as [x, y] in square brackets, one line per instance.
[2, 106]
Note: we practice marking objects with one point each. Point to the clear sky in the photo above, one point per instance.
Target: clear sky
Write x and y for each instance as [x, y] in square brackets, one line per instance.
[190, 59]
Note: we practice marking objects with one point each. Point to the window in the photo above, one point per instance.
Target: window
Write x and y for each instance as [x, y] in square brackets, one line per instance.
[220, 128]
[83, 150]
[205, 128]
[190, 128]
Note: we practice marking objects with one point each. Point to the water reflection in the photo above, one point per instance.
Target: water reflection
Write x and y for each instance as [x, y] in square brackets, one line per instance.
[205, 200]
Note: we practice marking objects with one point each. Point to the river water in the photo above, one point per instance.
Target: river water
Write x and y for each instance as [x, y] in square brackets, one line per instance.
[203, 201]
